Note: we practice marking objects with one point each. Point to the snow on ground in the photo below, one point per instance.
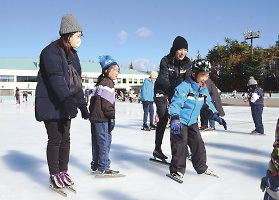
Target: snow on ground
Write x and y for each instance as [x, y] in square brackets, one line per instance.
[238, 158]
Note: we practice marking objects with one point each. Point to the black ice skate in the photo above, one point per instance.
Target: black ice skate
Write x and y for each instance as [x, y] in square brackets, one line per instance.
[161, 157]
[145, 127]
[109, 173]
[159, 154]
[152, 127]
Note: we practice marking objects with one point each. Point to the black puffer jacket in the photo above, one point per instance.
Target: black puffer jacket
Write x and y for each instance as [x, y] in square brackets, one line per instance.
[52, 87]
[170, 76]
[215, 96]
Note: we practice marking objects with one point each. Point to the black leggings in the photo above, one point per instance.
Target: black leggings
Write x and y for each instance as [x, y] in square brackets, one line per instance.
[58, 146]
[162, 111]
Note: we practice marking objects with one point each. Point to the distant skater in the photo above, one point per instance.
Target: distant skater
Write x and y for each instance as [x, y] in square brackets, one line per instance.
[147, 99]
[256, 101]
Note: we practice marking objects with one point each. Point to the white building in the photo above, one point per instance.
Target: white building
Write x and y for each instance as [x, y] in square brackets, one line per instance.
[22, 73]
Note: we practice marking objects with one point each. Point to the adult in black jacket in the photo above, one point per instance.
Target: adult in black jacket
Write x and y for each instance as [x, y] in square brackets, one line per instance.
[216, 100]
[174, 68]
[55, 104]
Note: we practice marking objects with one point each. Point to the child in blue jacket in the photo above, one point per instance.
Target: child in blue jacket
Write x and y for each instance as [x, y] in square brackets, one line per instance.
[147, 98]
[189, 99]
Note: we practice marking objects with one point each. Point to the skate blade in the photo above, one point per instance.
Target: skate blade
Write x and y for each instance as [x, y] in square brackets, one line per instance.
[109, 175]
[94, 173]
[174, 178]
[164, 162]
[213, 175]
[71, 189]
[58, 190]
[144, 129]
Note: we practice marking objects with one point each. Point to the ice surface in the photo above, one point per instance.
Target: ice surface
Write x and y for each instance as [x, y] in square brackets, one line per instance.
[239, 159]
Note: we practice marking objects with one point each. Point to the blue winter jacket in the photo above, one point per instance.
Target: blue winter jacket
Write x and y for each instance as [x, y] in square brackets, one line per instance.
[188, 100]
[147, 90]
[52, 87]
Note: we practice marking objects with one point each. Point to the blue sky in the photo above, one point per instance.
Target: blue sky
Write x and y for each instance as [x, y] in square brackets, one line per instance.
[132, 30]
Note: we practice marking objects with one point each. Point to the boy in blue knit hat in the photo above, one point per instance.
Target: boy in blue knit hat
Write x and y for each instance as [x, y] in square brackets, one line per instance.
[102, 116]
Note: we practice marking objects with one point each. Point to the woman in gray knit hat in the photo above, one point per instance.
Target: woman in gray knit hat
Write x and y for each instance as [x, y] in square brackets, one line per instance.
[56, 104]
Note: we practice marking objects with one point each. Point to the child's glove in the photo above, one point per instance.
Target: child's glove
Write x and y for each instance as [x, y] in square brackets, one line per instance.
[220, 120]
[175, 126]
[111, 124]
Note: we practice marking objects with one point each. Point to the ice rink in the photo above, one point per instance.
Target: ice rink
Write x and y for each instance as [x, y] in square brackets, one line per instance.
[239, 159]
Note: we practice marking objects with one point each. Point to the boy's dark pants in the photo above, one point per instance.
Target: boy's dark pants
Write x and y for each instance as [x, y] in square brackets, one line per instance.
[191, 136]
[58, 146]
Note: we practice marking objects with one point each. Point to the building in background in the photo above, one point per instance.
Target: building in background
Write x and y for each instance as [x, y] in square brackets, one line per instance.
[22, 73]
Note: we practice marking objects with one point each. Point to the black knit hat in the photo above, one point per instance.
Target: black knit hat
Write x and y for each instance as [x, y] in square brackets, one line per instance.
[178, 43]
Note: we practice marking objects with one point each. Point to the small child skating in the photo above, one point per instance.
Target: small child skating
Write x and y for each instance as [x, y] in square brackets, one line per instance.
[189, 98]
[102, 116]
[256, 100]
[270, 183]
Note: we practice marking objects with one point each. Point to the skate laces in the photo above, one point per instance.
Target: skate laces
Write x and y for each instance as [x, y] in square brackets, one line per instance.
[57, 180]
[66, 178]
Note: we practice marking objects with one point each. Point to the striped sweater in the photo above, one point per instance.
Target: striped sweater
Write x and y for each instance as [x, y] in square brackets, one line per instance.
[102, 103]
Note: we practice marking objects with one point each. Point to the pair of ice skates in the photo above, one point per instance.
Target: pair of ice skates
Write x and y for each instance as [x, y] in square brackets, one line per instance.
[145, 127]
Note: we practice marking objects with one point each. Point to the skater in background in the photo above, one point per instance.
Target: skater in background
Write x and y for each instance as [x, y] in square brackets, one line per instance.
[187, 102]
[216, 100]
[270, 183]
[256, 101]
[147, 98]
[25, 94]
[87, 94]
[131, 94]
[102, 115]
[17, 96]
[174, 68]
[55, 104]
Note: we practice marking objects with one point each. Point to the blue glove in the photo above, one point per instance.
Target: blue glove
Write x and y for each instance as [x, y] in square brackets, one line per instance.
[111, 124]
[220, 120]
[175, 126]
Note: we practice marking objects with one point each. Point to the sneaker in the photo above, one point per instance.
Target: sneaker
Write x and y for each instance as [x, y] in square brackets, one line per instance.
[209, 128]
[145, 127]
[65, 177]
[56, 181]
[159, 154]
[152, 127]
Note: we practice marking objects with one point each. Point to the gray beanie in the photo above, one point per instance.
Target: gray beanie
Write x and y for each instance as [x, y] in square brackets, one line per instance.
[69, 24]
[252, 81]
